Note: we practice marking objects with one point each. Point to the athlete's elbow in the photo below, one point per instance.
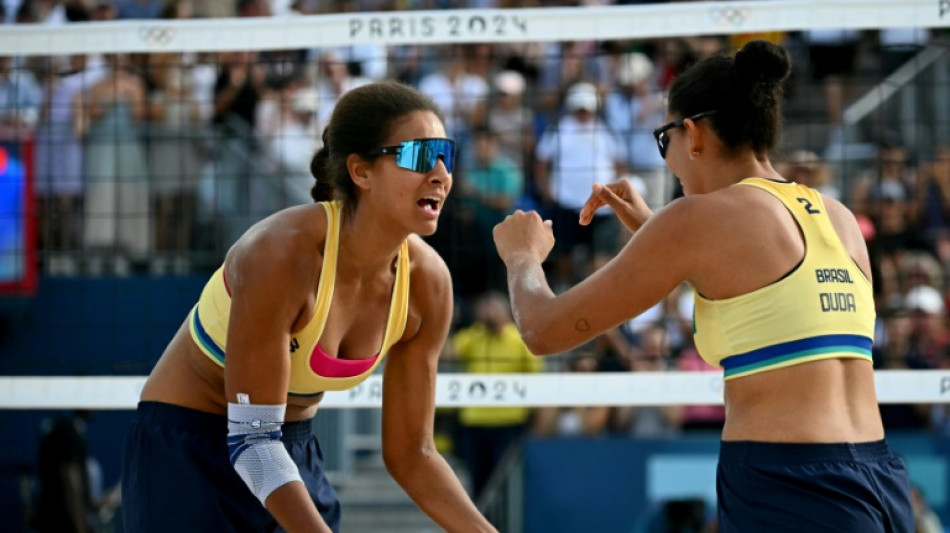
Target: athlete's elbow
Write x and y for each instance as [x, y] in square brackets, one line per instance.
[539, 343]
[403, 462]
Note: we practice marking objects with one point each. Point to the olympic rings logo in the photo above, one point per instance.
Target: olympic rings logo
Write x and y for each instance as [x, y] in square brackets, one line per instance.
[729, 16]
[157, 35]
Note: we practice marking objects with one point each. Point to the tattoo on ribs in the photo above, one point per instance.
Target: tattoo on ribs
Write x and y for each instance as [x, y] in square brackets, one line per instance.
[582, 325]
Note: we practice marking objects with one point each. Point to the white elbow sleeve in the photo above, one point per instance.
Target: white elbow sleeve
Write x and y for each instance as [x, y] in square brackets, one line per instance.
[257, 454]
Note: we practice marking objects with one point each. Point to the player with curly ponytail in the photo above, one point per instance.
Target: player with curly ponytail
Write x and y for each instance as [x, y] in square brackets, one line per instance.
[783, 303]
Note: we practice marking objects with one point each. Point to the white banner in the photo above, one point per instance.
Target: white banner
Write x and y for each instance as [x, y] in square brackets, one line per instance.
[471, 25]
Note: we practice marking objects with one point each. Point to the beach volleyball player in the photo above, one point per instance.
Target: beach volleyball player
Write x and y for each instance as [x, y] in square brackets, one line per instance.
[311, 299]
[783, 304]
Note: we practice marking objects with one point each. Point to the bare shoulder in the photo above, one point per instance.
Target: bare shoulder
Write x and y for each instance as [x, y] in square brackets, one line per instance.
[748, 210]
[288, 243]
[846, 225]
[428, 270]
[430, 294]
[691, 217]
[838, 212]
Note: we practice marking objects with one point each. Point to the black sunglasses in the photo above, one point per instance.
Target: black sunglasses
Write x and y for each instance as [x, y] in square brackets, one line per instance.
[663, 140]
[421, 155]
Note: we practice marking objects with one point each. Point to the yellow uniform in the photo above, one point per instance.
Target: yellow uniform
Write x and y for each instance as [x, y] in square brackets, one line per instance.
[312, 370]
[822, 309]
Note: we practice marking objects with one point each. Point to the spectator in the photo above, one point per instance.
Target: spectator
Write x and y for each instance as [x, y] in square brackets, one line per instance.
[919, 267]
[832, 54]
[293, 144]
[652, 355]
[70, 496]
[58, 160]
[335, 81]
[892, 172]
[103, 10]
[894, 351]
[407, 64]
[459, 93]
[20, 98]
[490, 188]
[117, 209]
[632, 111]
[674, 56]
[578, 152]
[238, 90]
[174, 162]
[930, 339]
[567, 64]
[202, 74]
[491, 345]
[933, 197]
[511, 120]
[805, 167]
[578, 421]
[893, 346]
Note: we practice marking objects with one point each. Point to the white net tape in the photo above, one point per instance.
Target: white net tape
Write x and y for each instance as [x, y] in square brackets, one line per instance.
[459, 390]
[473, 25]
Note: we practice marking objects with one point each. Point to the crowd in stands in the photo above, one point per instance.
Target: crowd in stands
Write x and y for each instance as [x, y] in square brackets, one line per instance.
[151, 164]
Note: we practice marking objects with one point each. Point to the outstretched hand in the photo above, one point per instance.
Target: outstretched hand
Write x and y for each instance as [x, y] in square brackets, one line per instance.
[623, 198]
[524, 233]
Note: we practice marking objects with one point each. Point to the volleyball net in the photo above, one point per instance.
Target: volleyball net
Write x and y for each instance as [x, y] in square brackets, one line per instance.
[165, 187]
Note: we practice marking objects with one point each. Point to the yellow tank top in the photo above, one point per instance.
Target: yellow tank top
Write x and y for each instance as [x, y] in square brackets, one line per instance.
[312, 370]
[822, 309]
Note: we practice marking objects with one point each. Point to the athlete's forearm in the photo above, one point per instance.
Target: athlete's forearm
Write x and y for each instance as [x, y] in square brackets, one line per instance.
[293, 509]
[530, 293]
[433, 486]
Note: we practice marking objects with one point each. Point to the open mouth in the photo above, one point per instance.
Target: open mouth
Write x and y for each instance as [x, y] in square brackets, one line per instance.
[430, 205]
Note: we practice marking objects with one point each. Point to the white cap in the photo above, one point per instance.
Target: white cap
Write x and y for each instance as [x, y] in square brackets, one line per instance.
[305, 100]
[634, 68]
[581, 95]
[509, 82]
[924, 298]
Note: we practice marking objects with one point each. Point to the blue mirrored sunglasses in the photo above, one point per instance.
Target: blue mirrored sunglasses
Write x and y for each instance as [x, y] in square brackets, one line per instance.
[421, 155]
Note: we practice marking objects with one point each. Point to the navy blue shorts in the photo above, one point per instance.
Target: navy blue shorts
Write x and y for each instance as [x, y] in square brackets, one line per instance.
[177, 475]
[778, 487]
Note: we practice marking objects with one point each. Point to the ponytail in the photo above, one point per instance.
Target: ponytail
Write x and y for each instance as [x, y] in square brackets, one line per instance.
[322, 190]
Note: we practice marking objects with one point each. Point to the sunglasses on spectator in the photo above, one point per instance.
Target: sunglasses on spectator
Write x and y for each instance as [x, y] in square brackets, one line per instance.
[663, 140]
[421, 155]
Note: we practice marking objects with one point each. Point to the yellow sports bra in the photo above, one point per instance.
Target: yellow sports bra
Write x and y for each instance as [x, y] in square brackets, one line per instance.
[822, 309]
[312, 370]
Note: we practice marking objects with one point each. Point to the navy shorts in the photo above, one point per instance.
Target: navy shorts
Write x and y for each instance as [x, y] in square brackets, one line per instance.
[177, 475]
[846, 488]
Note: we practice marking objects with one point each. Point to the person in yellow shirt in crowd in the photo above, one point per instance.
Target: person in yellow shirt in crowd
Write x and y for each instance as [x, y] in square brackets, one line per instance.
[491, 345]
